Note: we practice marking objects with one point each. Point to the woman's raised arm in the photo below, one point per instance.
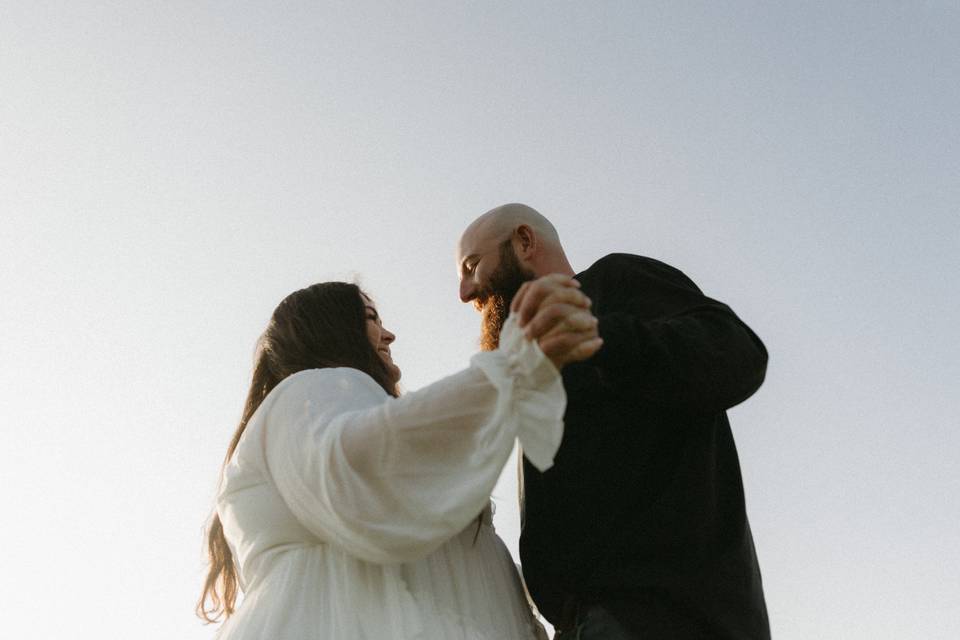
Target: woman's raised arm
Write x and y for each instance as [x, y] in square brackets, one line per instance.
[389, 480]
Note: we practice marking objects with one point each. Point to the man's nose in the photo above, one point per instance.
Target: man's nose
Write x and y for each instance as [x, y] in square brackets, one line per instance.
[468, 290]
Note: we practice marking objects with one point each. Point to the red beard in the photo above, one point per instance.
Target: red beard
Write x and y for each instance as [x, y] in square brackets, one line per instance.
[493, 303]
[494, 310]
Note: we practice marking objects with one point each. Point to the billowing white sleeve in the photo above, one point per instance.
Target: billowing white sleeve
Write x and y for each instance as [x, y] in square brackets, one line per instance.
[394, 479]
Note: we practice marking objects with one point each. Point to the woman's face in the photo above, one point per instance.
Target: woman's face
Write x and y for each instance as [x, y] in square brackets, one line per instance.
[380, 338]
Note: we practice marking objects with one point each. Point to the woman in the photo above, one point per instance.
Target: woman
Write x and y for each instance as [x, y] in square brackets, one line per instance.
[346, 512]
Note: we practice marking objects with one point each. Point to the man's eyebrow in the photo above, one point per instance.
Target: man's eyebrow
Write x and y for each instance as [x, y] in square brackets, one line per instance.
[463, 263]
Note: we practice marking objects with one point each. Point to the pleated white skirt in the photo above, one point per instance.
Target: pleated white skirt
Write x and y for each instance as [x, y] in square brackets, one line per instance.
[465, 590]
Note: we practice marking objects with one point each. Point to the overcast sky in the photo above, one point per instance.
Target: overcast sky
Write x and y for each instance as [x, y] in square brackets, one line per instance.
[169, 171]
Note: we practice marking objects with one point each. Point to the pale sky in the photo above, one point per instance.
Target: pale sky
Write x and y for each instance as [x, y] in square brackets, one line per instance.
[169, 171]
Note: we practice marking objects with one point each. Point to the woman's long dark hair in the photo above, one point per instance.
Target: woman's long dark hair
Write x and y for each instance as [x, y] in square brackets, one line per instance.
[321, 326]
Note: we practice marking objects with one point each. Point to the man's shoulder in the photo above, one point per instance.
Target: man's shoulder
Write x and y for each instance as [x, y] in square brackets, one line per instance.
[620, 260]
[632, 265]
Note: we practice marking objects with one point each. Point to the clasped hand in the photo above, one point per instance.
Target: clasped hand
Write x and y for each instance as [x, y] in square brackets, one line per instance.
[553, 311]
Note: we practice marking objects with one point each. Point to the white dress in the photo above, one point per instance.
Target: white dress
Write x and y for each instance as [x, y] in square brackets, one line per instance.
[352, 515]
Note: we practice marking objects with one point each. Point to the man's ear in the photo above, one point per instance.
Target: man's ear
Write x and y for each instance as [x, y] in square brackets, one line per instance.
[525, 242]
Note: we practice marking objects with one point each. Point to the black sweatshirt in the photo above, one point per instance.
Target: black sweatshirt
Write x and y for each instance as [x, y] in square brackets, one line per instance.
[643, 509]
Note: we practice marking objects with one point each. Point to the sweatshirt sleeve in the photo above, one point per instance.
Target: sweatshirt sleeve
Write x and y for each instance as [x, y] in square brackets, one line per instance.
[671, 345]
[391, 481]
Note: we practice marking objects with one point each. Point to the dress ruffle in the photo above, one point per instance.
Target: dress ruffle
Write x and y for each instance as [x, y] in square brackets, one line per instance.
[529, 386]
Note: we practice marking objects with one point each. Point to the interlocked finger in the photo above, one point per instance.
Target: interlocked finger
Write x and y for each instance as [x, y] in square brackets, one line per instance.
[531, 295]
[563, 317]
[562, 348]
[564, 295]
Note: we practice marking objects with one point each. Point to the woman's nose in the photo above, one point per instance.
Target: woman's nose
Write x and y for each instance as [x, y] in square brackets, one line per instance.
[388, 337]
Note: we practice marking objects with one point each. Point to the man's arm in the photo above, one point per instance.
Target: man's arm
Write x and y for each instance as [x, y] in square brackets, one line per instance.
[667, 342]
[702, 358]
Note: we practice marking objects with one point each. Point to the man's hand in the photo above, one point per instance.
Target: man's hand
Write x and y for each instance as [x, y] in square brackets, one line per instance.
[553, 311]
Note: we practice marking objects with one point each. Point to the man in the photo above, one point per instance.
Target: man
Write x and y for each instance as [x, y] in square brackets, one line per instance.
[639, 530]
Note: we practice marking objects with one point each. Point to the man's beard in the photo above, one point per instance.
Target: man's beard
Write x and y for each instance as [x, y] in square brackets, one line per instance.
[494, 301]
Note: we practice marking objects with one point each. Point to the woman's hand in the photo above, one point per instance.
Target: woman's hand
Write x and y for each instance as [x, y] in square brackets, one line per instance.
[553, 311]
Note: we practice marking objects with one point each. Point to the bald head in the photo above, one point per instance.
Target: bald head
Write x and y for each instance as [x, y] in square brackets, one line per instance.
[501, 221]
[533, 239]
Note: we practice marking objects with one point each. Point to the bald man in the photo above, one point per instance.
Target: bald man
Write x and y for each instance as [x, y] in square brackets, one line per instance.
[639, 530]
